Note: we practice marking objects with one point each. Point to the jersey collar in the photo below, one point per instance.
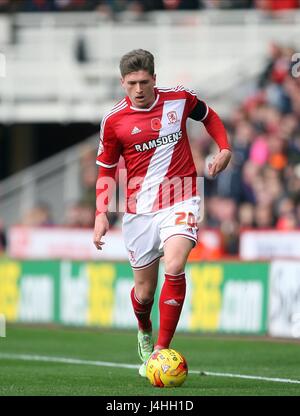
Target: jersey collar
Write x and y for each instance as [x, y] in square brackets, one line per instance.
[144, 109]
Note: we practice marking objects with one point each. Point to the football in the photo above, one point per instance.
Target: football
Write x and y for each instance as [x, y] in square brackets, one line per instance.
[166, 368]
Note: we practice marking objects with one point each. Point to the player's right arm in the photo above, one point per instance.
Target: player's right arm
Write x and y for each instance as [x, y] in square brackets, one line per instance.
[100, 229]
[108, 156]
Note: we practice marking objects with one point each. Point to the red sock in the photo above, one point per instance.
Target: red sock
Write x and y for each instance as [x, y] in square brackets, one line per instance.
[170, 306]
[142, 311]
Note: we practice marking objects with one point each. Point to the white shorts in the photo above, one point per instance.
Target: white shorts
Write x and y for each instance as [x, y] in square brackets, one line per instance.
[146, 234]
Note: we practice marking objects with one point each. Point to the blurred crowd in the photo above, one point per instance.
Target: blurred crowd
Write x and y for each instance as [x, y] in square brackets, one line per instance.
[112, 7]
[260, 188]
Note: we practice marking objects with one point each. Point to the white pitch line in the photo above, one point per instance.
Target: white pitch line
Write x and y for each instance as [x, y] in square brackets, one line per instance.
[64, 360]
[28, 357]
[277, 380]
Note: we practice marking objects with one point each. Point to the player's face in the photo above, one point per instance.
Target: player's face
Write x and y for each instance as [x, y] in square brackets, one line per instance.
[139, 87]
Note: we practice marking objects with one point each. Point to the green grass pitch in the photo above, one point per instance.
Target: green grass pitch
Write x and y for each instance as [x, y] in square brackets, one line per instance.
[22, 375]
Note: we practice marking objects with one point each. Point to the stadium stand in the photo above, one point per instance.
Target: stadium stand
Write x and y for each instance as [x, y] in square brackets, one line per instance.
[52, 76]
[67, 325]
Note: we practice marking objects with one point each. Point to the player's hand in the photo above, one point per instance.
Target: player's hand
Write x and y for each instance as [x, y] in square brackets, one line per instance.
[219, 162]
[101, 227]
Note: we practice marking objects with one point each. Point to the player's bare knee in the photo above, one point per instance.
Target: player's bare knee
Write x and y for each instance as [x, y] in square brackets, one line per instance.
[144, 296]
[174, 266]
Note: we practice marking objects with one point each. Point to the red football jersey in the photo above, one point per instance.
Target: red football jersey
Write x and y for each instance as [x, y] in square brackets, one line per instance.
[155, 147]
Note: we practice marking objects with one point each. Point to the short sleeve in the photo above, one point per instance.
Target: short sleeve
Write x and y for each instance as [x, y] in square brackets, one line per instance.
[191, 99]
[109, 149]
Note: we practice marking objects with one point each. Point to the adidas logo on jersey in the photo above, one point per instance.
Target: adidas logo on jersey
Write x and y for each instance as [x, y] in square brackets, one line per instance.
[172, 302]
[135, 130]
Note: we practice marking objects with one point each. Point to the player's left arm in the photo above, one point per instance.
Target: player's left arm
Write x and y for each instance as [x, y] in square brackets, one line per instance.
[215, 128]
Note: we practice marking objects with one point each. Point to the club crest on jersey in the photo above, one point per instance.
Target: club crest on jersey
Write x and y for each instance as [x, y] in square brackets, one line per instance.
[172, 116]
[156, 124]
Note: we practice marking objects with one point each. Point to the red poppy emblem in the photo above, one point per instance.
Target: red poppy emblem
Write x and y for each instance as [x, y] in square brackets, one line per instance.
[156, 124]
